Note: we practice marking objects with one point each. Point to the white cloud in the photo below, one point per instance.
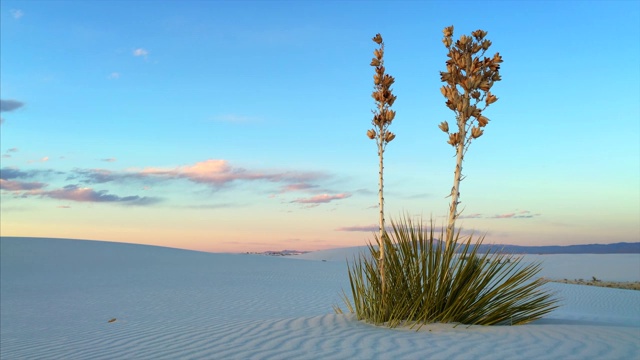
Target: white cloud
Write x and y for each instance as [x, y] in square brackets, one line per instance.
[322, 198]
[140, 52]
[114, 75]
[17, 13]
[42, 160]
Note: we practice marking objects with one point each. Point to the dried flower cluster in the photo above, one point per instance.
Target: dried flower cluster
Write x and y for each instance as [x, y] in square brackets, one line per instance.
[469, 78]
[382, 94]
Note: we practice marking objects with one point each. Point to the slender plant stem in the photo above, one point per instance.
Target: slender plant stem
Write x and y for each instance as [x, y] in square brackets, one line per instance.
[381, 202]
[455, 190]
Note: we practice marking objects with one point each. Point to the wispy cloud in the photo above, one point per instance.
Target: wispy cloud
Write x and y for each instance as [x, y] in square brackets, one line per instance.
[41, 160]
[297, 187]
[219, 173]
[321, 199]
[17, 13]
[11, 182]
[365, 228]
[114, 75]
[95, 176]
[9, 105]
[8, 153]
[79, 194]
[212, 173]
[8, 173]
[504, 216]
[141, 52]
[470, 216]
[525, 214]
[15, 185]
[88, 185]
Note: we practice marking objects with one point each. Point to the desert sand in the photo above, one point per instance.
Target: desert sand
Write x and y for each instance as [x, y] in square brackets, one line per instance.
[72, 299]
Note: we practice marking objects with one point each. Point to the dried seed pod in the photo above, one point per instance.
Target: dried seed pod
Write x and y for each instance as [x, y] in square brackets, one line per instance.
[454, 139]
[476, 112]
[390, 136]
[371, 134]
[490, 98]
[476, 132]
[448, 31]
[377, 120]
[389, 115]
[444, 126]
[483, 121]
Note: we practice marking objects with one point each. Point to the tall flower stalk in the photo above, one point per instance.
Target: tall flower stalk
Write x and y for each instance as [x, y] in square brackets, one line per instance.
[468, 81]
[382, 118]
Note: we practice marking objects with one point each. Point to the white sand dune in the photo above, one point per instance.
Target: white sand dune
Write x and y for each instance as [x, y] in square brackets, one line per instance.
[57, 297]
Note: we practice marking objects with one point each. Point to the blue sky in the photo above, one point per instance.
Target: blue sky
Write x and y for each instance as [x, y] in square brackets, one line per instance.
[233, 126]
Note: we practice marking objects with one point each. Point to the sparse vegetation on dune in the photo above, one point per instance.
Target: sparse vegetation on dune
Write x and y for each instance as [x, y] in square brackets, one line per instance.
[427, 281]
[409, 276]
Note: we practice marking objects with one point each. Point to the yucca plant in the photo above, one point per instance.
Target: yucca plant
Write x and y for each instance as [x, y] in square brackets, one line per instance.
[382, 118]
[427, 281]
[468, 81]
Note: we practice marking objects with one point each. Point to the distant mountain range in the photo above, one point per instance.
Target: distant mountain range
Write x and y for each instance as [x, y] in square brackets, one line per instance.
[617, 248]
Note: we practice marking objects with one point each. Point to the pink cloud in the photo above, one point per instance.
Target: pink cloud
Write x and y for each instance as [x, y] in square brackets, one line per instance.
[220, 172]
[504, 216]
[12, 185]
[75, 193]
[42, 160]
[524, 214]
[297, 187]
[309, 206]
[216, 172]
[470, 216]
[323, 198]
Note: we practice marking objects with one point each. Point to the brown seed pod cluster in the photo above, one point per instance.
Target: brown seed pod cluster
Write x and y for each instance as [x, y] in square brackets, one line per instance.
[468, 81]
[382, 94]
